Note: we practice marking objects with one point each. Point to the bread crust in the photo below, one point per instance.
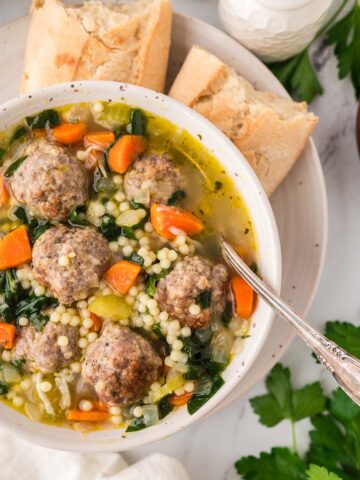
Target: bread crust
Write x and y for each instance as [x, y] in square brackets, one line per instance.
[60, 49]
[269, 131]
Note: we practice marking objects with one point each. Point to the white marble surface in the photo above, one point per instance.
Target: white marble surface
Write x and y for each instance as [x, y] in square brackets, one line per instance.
[209, 449]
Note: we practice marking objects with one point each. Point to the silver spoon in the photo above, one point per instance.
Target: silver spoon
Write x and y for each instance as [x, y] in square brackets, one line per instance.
[344, 367]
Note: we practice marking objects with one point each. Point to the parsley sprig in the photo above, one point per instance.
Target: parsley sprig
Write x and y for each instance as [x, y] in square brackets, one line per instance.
[297, 73]
[334, 450]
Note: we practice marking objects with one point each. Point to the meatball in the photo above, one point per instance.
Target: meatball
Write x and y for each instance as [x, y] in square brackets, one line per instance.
[70, 261]
[121, 365]
[50, 181]
[181, 288]
[154, 172]
[41, 350]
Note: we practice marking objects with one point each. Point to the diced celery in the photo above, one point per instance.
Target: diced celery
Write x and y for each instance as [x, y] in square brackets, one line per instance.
[110, 306]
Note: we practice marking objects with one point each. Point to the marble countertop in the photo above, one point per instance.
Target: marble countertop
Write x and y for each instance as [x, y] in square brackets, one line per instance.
[209, 449]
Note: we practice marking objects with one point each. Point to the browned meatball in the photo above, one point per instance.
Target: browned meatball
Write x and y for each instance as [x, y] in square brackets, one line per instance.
[41, 351]
[156, 173]
[50, 181]
[70, 261]
[121, 365]
[181, 288]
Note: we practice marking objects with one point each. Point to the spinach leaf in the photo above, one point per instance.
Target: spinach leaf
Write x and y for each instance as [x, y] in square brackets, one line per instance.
[21, 213]
[165, 406]
[39, 229]
[13, 290]
[204, 299]
[153, 280]
[4, 388]
[137, 122]
[104, 184]
[176, 197]
[128, 232]
[36, 226]
[14, 166]
[31, 308]
[77, 217]
[135, 258]
[227, 314]
[18, 364]
[19, 133]
[46, 118]
[7, 313]
[109, 228]
[38, 321]
[199, 399]
[135, 205]
[2, 155]
[136, 425]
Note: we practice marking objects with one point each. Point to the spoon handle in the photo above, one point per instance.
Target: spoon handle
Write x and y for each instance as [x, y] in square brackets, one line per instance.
[344, 367]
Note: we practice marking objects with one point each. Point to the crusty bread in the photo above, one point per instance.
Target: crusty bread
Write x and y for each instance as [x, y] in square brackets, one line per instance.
[122, 42]
[270, 131]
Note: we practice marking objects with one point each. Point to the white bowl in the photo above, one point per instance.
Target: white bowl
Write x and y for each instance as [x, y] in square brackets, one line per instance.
[269, 257]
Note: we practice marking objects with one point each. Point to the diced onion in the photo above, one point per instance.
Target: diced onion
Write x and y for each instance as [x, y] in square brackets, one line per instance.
[169, 387]
[10, 373]
[176, 231]
[142, 195]
[32, 411]
[238, 346]
[105, 184]
[129, 218]
[65, 398]
[221, 345]
[164, 189]
[151, 414]
[43, 397]
[203, 386]
[203, 334]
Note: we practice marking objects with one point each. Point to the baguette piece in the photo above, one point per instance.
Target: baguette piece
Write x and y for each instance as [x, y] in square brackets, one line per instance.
[122, 42]
[270, 131]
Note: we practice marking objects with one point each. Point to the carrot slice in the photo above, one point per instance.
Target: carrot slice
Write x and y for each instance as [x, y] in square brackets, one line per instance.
[180, 400]
[4, 193]
[100, 406]
[122, 275]
[7, 335]
[100, 139]
[97, 322]
[68, 133]
[125, 151]
[91, 416]
[15, 248]
[166, 220]
[243, 296]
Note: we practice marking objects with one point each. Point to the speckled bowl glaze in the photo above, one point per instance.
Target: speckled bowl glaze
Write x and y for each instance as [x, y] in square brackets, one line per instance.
[269, 257]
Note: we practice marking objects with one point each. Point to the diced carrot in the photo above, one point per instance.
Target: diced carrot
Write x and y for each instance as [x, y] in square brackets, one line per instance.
[100, 406]
[68, 133]
[125, 151]
[243, 296]
[15, 248]
[122, 275]
[180, 400]
[90, 416]
[97, 322]
[100, 139]
[7, 335]
[38, 132]
[166, 220]
[4, 193]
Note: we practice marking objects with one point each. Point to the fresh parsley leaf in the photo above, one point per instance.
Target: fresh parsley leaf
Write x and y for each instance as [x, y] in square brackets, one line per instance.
[137, 122]
[345, 35]
[279, 464]
[47, 118]
[77, 217]
[4, 388]
[204, 299]
[176, 197]
[298, 76]
[14, 166]
[315, 472]
[198, 400]
[345, 334]
[283, 402]
[135, 258]
[20, 132]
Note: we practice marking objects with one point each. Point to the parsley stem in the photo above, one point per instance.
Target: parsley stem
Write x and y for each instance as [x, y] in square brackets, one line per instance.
[332, 18]
[293, 434]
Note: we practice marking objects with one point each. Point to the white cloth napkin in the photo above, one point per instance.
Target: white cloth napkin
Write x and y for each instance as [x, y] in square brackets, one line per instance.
[21, 460]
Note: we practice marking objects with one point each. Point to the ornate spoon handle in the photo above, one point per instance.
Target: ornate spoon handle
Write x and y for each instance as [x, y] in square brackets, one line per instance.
[344, 367]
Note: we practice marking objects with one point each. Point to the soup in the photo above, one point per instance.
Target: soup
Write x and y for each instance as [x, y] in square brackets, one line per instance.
[116, 307]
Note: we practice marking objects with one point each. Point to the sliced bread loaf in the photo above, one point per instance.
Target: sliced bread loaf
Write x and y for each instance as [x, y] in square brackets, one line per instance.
[99, 41]
[270, 131]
